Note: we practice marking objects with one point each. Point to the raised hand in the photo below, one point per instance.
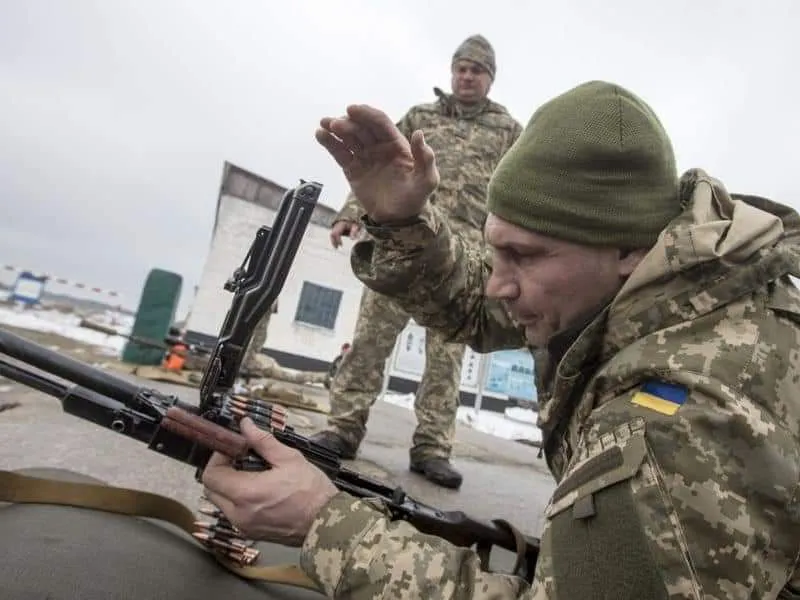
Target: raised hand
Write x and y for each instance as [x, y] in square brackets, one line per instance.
[390, 176]
[346, 228]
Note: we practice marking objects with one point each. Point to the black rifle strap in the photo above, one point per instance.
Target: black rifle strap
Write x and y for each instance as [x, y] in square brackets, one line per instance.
[520, 566]
[484, 550]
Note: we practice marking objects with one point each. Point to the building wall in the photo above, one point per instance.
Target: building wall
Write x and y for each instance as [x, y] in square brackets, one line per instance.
[246, 202]
[316, 263]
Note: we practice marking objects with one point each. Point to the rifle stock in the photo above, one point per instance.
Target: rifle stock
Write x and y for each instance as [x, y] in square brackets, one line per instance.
[190, 433]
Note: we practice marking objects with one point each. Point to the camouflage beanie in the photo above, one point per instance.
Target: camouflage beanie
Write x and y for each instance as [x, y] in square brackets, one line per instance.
[593, 166]
[477, 49]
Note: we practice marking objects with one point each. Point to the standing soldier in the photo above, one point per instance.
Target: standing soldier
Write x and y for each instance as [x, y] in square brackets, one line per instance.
[469, 133]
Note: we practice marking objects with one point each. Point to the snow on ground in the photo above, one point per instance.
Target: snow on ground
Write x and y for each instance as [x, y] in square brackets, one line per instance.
[515, 424]
[68, 325]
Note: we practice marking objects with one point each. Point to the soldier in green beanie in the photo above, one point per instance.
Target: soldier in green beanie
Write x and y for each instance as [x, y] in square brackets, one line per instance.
[665, 325]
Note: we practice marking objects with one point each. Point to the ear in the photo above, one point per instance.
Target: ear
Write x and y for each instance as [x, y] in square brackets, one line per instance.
[629, 260]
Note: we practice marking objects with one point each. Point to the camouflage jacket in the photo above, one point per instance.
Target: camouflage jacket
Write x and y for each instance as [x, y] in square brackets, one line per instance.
[671, 424]
[468, 145]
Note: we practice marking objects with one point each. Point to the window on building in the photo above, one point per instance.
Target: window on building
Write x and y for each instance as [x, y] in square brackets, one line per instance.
[318, 305]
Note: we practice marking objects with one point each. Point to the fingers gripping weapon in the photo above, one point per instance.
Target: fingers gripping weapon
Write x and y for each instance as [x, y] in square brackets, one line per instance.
[190, 433]
[161, 420]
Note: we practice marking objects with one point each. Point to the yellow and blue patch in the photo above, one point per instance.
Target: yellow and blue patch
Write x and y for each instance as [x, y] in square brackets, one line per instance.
[660, 396]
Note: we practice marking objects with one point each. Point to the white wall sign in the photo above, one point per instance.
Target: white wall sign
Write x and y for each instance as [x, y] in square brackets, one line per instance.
[28, 289]
[409, 359]
[470, 370]
[507, 372]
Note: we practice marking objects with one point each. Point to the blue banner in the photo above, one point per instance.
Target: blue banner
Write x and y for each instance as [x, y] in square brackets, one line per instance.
[28, 288]
[510, 372]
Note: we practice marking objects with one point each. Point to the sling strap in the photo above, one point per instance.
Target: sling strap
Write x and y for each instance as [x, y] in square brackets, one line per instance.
[24, 489]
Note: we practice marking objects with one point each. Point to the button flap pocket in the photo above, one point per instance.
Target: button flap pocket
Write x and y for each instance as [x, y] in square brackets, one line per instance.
[785, 299]
[597, 471]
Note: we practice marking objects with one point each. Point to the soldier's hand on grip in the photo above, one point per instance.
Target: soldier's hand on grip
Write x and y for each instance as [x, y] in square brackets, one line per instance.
[391, 177]
[277, 505]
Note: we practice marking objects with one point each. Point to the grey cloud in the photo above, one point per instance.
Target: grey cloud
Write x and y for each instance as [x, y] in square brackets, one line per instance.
[116, 117]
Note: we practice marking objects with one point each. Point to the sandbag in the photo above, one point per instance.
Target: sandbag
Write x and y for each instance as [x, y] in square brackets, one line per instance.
[68, 553]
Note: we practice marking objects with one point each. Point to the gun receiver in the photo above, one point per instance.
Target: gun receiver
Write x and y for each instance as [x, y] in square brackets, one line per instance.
[190, 433]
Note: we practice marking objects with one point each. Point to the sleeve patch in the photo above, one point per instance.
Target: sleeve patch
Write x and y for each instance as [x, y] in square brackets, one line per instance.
[660, 396]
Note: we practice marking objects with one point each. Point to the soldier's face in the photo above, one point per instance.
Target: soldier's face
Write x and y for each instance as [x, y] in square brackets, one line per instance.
[470, 81]
[549, 285]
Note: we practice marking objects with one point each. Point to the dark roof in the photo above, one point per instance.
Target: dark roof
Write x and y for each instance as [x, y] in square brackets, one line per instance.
[248, 186]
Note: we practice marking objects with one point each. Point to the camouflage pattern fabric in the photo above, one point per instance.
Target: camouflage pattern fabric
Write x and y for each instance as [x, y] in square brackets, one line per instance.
[257, 340]
[477, 49]
[269, 367]
[359, 379]
[469, 142]
[694, 498]
[261, 365]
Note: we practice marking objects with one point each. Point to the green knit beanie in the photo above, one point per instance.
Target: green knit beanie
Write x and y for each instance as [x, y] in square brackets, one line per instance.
[593, 166]
[477, 49]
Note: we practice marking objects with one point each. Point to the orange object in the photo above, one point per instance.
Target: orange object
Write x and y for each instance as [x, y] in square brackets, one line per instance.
[176, 358]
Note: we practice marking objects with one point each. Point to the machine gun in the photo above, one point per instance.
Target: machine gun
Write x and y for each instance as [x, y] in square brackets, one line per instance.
[189, 355]
[190, 433]
[168, 344]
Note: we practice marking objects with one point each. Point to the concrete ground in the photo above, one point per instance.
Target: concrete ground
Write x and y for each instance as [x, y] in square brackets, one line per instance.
[502, 479]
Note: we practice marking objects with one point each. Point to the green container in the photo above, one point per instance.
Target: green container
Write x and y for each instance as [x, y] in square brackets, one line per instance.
[156, 312]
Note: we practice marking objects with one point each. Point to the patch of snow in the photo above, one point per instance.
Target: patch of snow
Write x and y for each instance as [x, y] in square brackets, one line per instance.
[515, 424]
[521, 415]
[67, 324]
[402, 400]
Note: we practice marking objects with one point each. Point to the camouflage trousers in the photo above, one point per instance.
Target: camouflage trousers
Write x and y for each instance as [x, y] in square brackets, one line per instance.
[271, 369]
[257, 341]
[359, 379]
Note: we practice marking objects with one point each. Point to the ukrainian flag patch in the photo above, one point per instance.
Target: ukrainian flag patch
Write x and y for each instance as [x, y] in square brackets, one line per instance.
[660, 396]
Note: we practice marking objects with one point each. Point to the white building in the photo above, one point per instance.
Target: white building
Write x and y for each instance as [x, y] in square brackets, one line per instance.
[318, 305]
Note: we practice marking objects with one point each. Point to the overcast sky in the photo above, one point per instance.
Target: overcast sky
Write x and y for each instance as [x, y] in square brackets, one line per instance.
[116, 117]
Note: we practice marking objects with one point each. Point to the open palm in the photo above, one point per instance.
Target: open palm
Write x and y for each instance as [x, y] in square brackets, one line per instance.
[390, 176]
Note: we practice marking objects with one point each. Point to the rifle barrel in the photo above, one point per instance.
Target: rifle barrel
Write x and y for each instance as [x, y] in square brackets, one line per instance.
[66, 368]
[110, 402]
[118, 413]
[31, 379]
[147, 342]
